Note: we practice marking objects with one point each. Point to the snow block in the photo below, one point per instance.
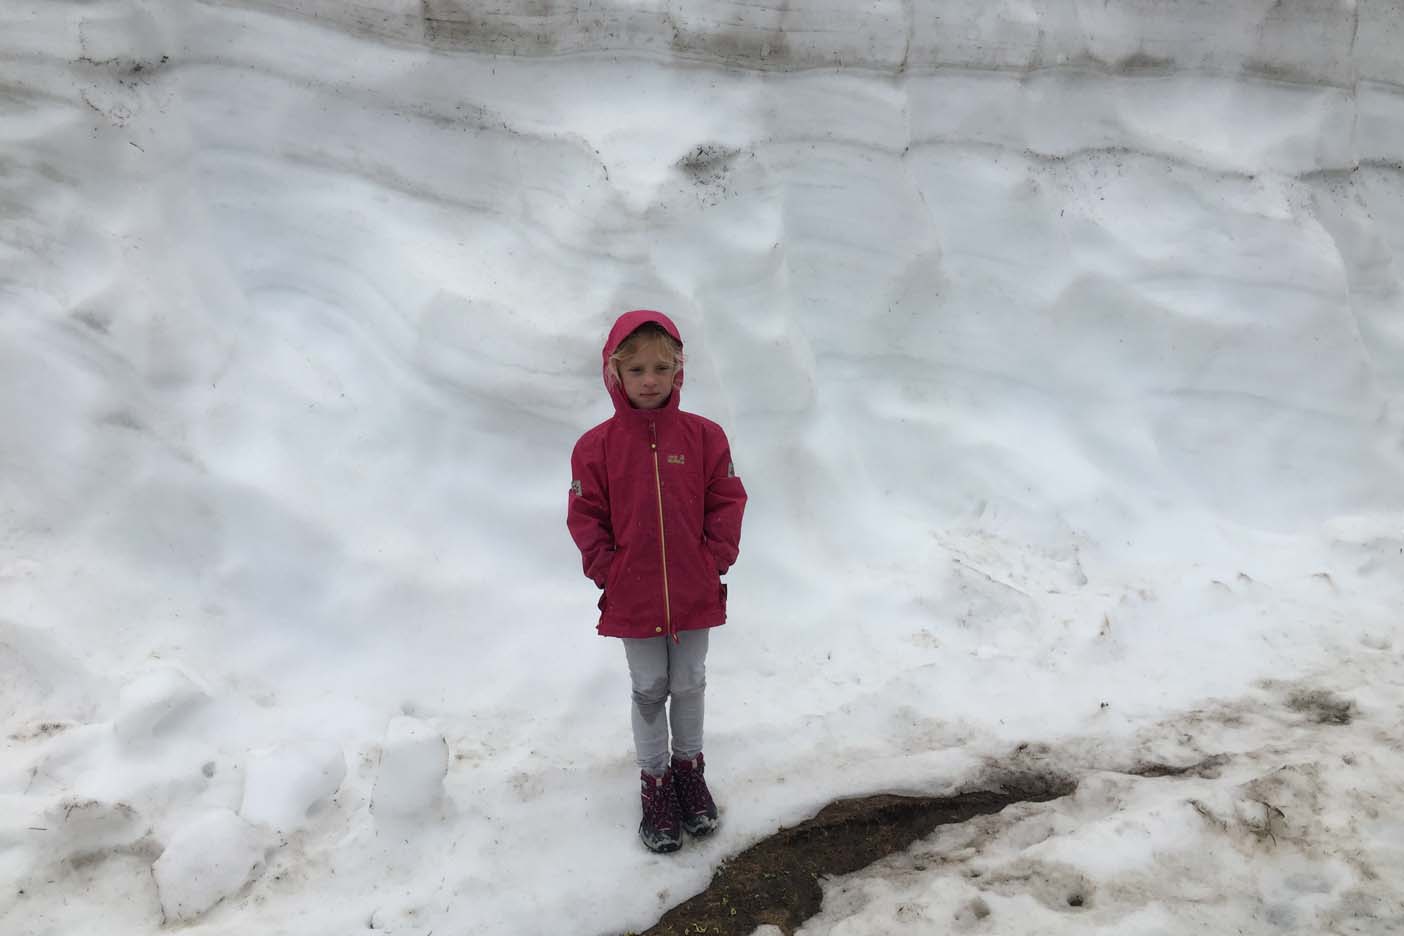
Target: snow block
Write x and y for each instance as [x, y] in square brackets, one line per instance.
[205, 862]
[282, 783]
[152, 701]
[413, 764]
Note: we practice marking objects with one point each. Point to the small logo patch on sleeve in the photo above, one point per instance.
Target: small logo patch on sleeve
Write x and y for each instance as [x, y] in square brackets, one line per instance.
[676, 460]
[576, 489]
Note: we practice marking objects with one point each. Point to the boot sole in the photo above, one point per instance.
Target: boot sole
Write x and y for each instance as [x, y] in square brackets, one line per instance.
[666, 848]
[702, 828]
[661, 848]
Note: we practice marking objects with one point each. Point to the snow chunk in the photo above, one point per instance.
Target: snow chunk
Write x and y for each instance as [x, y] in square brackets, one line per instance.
[205, 862]
[413, 764]
[152, 701]
[283, 783]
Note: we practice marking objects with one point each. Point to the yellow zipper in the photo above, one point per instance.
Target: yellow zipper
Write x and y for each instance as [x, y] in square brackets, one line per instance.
[662, 539]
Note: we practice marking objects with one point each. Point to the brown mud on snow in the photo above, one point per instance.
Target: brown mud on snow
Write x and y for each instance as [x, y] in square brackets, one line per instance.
[777, 881]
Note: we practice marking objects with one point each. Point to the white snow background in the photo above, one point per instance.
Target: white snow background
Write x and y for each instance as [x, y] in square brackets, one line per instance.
[1061, 348]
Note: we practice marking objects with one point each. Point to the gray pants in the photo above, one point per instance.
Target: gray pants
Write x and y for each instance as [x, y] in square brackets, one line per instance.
[659, 668]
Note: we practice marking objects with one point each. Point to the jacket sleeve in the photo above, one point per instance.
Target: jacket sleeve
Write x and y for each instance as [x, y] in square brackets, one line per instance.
[587, 513]
[724, 504]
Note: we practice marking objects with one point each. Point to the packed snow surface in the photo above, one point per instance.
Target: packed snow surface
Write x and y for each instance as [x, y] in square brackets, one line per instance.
[1061, 349]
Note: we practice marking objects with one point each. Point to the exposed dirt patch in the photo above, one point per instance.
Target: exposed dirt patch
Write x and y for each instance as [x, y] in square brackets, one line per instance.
[777, 881]
[126, 67]
[43, 729]
[1324, 706]
[496, 33]
[708, 162]
[1210, 767]
[145, 848]
[745, 48]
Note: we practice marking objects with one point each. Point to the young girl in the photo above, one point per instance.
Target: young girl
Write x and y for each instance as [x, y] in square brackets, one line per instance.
[655, 507]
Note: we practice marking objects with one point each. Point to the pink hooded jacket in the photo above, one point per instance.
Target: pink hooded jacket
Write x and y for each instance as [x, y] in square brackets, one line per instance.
[655, 509]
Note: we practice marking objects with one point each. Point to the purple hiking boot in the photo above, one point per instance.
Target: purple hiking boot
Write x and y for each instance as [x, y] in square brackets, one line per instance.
[660, 829]
[699, 813]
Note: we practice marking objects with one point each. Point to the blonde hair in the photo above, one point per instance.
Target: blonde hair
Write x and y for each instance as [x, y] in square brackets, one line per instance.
[648, 335]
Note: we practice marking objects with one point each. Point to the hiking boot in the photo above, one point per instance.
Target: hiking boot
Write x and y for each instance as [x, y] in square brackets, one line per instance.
[699, 813]
[661, 829]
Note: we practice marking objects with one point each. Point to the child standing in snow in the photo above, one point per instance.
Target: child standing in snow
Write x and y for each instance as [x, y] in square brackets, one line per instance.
[655, 508]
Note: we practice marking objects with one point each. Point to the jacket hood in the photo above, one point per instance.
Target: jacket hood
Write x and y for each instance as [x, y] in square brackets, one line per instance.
[624, 326]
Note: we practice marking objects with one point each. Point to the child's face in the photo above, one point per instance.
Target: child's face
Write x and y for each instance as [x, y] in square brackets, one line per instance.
[647, 376]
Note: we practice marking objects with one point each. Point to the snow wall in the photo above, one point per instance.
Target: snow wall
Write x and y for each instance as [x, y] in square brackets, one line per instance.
[1023, 317]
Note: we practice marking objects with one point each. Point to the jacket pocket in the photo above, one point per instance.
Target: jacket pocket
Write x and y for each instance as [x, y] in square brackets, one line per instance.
[612, 570]
[712, 556]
